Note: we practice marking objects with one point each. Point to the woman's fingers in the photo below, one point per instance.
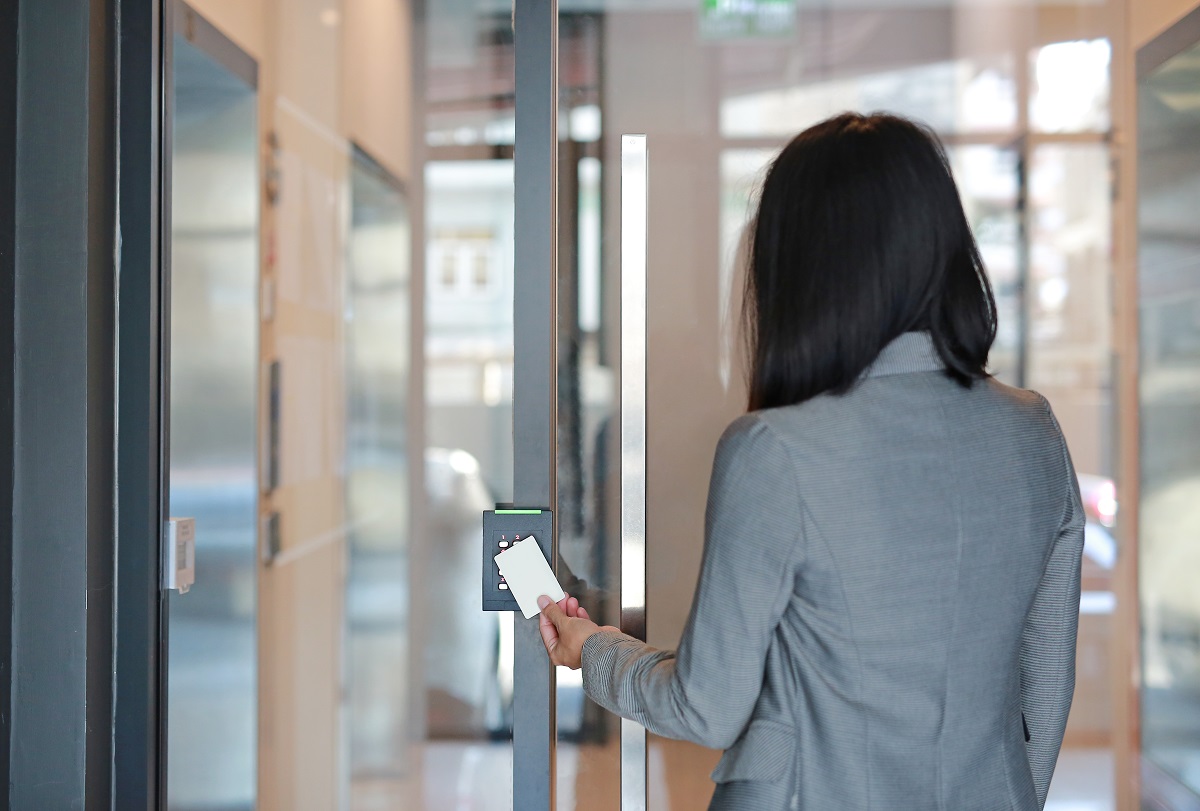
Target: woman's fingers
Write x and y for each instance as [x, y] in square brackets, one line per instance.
[552, 615]
[551, 610]
[564, 626]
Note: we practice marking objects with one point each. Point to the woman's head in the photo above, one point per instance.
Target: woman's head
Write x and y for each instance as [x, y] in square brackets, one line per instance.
[860, 237]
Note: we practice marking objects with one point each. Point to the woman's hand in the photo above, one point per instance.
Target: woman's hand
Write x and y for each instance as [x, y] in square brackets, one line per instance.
[565, 626]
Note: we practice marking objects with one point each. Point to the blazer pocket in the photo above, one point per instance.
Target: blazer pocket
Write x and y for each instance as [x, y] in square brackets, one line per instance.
[765, 751]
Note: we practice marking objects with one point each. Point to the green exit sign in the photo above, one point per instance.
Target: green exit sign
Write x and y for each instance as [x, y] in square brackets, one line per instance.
[739, 19]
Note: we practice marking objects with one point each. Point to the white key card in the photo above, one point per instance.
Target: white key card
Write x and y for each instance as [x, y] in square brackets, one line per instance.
[528, 575]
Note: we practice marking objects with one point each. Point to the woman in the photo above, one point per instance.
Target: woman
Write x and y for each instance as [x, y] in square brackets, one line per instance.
[888, 600]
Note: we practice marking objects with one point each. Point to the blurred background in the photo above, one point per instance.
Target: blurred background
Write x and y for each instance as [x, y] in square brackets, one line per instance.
[342, 354]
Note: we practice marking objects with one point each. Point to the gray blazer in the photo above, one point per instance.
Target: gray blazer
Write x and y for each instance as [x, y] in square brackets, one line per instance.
[887, 605]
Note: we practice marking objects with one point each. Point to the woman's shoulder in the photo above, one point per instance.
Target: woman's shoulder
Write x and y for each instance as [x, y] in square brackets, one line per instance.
[1024, 406]
[1012, 395]
[899, 405]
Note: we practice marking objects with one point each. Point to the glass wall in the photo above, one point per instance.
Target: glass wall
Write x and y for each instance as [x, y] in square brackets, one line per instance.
[378, 367]
[368, 677]
[1169, 279]
[468, 91]
[719, 88]
[213, 687]
[351, 690]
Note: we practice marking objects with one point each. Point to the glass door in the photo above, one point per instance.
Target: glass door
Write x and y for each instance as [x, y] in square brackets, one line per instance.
[446, 300]
[718, 89]
[212, 689]
[1169, 392]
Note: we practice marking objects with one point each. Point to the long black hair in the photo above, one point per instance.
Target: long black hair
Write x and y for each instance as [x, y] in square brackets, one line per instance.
[860, 237]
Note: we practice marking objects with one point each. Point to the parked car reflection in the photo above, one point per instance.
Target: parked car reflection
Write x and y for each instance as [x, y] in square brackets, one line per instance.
[1090, 723]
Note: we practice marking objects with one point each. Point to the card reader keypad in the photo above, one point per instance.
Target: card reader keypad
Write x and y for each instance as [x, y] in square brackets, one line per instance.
[500, 542]
[501, 530]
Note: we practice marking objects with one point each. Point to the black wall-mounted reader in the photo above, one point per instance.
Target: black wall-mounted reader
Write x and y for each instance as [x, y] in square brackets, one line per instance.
[502, 527]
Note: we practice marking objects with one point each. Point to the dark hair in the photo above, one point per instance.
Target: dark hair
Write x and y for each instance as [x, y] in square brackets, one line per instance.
[860, 237]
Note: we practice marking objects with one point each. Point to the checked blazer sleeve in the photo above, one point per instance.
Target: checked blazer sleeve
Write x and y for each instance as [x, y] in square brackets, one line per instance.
[706, 690]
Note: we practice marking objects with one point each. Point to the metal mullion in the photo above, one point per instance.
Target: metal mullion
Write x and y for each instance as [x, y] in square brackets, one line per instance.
[138, 778]
[634, 237]
[64, 476]
[166, 185]
[534, 370]
[8, 167]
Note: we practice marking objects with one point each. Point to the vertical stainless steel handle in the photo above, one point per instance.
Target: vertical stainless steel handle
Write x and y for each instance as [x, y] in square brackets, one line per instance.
[634, 190]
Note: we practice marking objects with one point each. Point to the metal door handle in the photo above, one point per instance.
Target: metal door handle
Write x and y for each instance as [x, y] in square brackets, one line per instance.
[634, 215]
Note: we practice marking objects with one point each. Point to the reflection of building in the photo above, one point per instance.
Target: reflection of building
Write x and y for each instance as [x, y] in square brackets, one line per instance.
[469, 294]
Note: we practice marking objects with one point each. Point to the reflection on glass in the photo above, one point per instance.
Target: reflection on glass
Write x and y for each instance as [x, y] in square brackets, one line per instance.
[1069, 294]
[951, 96]
[588, 768]
[467, 655]
[1169, 261]
[212, 709]
[1070, 86]
[469, 211]
[1069, 316]
[987, 181]
[717, 98]
[377, 513]
[742, 170]
[468, 460]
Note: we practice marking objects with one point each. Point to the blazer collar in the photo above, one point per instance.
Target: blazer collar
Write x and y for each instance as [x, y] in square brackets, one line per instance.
[911, 352]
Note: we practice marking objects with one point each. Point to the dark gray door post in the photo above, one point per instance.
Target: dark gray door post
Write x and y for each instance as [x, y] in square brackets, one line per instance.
[534, 370]
[79, 216]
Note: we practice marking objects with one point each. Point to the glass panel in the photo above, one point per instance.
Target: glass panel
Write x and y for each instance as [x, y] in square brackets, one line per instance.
[1169, 260]
[212, 701]
[468, 461]
[1070, 306]
[988, 182]
[468, 245]
[587, 484]
[367, 696]
[1070, 86]
[960, 95]
[719, 88]
[378, 302]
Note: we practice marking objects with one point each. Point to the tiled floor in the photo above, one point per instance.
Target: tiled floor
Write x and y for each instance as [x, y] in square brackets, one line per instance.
[478, 777]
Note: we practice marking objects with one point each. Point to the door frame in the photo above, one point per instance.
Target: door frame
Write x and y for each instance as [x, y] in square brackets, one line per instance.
[180, 19]
[81, 398]
[535, 385]
[139, 666]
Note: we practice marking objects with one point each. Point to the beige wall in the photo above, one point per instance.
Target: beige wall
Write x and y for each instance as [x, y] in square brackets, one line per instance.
[1149, 18]
[332, 73]
[377, 80]
[243, 21]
